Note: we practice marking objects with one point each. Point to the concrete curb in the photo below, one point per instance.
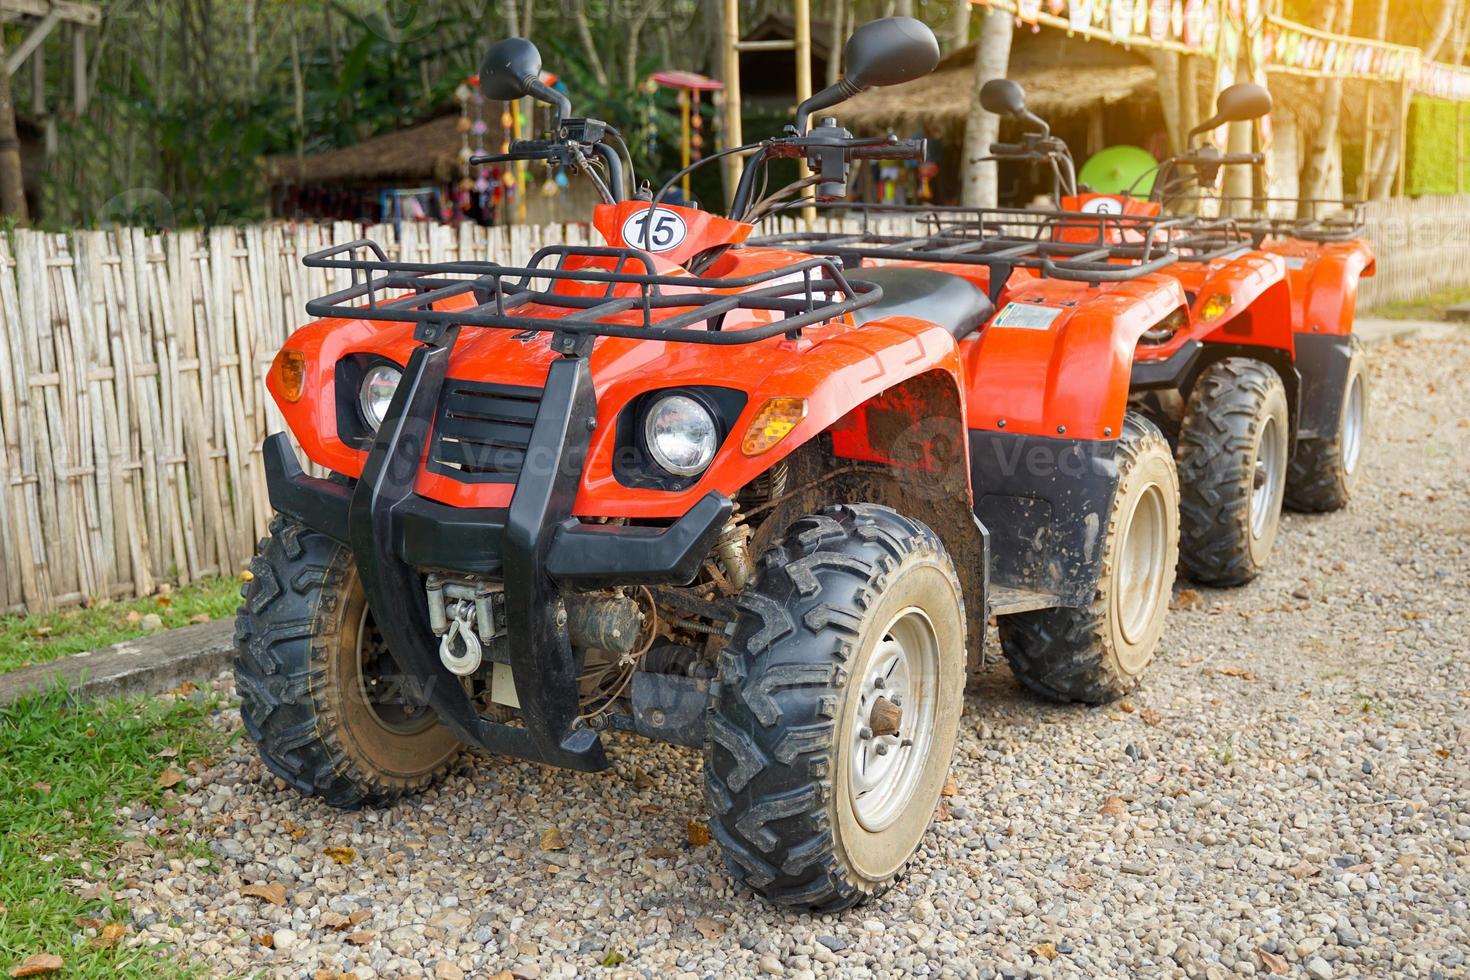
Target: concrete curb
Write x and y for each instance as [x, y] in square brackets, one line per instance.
[147, 665]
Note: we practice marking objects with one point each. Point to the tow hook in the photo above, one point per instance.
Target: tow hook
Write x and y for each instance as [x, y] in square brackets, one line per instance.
[460, 648]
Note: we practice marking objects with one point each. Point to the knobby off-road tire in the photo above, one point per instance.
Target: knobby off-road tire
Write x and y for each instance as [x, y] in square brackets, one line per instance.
[1098, 653]
[855, 604]
[309, 691]
[1233, 450]
[1324, 470]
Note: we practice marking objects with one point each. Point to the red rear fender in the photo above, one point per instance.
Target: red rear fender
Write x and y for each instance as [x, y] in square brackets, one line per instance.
[1070, 376]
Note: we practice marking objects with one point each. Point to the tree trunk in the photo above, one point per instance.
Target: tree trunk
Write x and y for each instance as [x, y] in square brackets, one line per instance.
[12, 181]
[1167, 73]
[1319, 157]
[959, 25]
[840, 16]
[979, 183]
[584, 33]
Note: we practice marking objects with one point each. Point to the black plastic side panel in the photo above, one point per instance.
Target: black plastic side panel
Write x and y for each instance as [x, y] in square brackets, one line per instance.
[605, 555]
[308, 500]
[1044, 503]
[1322, 360]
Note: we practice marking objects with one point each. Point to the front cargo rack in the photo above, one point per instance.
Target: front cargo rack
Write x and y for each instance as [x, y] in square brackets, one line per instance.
[1320, 220]
[1075, 246]
[803, 293]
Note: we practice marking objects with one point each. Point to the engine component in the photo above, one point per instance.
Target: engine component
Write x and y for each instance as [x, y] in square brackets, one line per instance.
[605, 621]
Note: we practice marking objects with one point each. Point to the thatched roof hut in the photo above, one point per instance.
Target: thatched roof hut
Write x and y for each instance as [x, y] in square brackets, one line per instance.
[1063, 76]
[425, 153]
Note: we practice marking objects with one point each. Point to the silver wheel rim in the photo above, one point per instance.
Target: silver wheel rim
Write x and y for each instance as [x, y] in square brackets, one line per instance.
[1352, 426]
[392, 718]
[1268, 479]
[883, 770]
[1141, 561]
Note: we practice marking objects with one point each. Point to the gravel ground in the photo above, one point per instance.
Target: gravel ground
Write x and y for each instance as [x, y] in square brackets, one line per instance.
[1290, 790]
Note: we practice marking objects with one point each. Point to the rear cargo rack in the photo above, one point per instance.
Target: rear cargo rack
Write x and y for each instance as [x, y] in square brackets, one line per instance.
[803, 293]
[1091, 248]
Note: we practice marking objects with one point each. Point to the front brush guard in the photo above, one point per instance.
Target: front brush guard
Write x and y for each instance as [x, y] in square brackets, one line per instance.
[534, 545]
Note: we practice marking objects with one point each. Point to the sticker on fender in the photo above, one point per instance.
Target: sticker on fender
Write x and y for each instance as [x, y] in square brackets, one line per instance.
[1024, 316]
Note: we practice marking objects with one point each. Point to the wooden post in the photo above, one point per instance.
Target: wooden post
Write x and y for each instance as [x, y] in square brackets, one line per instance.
[12, 183]
[1405, 94]
[731, 71]
[803, 40]
[1459, 148]
[685, 96]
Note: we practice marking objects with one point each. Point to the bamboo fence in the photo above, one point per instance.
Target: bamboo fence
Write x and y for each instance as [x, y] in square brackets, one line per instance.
[132, 407]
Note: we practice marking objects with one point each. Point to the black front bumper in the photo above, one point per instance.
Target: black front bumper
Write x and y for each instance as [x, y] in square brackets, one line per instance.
[534, 546]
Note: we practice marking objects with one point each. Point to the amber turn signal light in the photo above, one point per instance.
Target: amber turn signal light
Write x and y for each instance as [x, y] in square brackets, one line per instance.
[774, 422]
[289, 369]
[1215, 307]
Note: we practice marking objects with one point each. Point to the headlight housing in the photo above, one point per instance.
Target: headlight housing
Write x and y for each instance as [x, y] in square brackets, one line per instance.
[680, 435]
[376, 392]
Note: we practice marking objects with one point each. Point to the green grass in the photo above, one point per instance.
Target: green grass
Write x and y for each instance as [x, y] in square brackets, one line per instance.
[65, 768]
[1432, 308]
[28, 640]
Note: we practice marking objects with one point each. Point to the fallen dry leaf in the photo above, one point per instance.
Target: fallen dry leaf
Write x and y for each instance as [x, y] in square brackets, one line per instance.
[1240, 672]
[1274, 964]
[1188, 599]
[273, 893]
[265, 939]
[334, 920]
[1078, 881]
[199, 618]
[1047, 951]
[184, 689]
[170, 777]
[86, 922]
[110, 935]
[951, 788]
[341, 855]
[650, 808]
[134, 617]
[698, 834]
[359, 916]
[660, 853]
[942, 813]
[169, 753]
[296, 832]
[552, 840]
[1151, 717]
[1113, 806]
[362, 938]
[40, 787]
[709, 928]
[38, 964]
[1304, 869]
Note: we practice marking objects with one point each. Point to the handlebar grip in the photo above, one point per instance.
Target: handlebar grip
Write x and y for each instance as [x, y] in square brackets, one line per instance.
[477, 161]
[902, 150]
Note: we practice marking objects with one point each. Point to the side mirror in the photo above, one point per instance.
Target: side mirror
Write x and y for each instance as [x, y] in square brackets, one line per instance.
[881, 52]
[1005, 97]
[889, 52]
[511, 70]
[1238, 103]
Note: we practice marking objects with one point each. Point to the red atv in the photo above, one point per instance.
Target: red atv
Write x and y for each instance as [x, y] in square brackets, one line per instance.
[1221, 376]
[713, 494]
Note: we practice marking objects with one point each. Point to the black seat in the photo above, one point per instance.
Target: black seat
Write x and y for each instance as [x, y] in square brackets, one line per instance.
[939, 297]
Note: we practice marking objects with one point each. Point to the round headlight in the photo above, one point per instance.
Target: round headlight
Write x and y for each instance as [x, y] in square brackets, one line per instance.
[681, 435]
[378, 386]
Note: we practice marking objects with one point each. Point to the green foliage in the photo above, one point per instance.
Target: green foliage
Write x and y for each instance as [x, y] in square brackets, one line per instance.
[38, 639]
[1432, 157]
[65, 770]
